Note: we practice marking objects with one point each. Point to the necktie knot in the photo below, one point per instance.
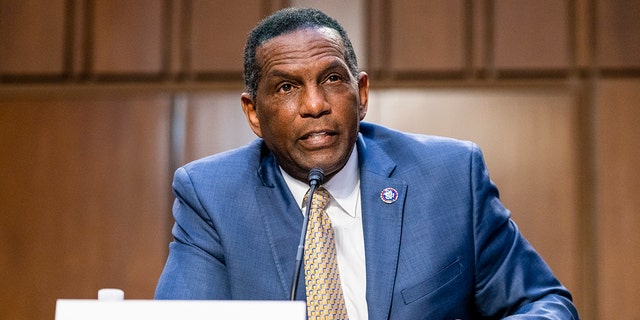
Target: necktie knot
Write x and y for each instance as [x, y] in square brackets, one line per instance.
[321, 199]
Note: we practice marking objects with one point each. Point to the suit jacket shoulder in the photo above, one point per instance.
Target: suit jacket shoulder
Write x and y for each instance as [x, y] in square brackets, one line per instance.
[226, 167]
[409, 153]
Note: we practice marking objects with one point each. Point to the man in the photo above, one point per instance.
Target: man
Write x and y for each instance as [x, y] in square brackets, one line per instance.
[419, 230]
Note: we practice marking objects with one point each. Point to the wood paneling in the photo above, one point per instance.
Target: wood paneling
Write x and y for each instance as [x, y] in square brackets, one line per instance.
[219, 32]
[32, 37]
[583, 45]
[532, 35]
[214, 123]
[127, 37]
[481, 39]
[427, 36]
[201, 40]
[618, 33]
[618, 189]
[84, 196]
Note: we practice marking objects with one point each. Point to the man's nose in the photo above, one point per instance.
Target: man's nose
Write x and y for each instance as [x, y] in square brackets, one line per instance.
[314, 103]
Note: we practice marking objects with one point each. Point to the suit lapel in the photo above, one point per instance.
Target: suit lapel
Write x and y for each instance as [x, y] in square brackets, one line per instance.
[382, 226]
[282, 220]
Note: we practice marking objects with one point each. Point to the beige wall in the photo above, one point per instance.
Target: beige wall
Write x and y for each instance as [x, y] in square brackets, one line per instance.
[101, 100]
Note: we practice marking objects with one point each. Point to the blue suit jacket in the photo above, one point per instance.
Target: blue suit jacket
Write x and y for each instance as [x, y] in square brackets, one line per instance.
[446, 249]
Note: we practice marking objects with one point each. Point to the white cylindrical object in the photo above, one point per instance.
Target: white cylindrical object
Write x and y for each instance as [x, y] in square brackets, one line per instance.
[109, 294]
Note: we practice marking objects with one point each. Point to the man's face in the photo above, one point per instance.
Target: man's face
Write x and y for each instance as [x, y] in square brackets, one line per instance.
[308, 106]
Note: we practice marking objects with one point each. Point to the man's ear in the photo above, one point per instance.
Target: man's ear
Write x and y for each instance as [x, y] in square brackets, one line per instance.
[363, 92]
[249, 109]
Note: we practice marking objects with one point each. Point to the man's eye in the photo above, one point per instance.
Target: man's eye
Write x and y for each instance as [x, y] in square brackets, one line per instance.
[334, 78]
[285, 87]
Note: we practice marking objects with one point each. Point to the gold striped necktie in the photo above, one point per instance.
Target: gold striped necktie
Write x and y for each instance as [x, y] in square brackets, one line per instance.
[322, 277]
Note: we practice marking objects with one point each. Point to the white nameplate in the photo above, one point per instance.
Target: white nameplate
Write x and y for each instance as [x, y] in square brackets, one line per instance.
[68, 309]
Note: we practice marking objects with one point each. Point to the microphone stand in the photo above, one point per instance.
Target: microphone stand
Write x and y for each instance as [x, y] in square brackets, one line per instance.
[315, 179]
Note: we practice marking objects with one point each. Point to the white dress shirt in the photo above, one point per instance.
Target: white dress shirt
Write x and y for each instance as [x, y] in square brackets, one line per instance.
[345, 213]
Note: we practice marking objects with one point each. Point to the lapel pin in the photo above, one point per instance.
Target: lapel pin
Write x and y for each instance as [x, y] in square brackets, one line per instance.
[389, 195]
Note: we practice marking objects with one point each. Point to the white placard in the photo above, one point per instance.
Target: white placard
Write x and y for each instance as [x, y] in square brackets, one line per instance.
[69, 309]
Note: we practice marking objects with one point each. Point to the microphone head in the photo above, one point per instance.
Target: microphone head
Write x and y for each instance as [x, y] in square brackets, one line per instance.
[316, 176]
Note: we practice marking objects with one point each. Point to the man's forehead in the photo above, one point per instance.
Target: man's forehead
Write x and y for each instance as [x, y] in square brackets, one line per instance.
[300, 44]
[298, 36]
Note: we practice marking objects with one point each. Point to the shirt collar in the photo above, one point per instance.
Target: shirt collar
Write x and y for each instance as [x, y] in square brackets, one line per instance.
[344, 186]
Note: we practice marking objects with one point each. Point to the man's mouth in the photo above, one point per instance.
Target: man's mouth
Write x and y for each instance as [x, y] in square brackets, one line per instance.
[316, 135]
[318, 139]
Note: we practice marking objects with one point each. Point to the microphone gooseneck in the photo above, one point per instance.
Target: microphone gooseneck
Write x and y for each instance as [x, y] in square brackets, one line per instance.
[315, 178]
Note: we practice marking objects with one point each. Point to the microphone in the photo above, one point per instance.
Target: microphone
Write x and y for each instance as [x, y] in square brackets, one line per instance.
[316, 176]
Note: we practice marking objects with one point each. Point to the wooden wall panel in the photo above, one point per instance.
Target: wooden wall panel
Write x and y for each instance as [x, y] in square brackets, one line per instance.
[84, 197]
[219, 33]
[427, 36]
[214, 123]
[127, 37]
[32, 37]
[480, 36]
[528, 137]
[376, 37]
[618, 33]
[617, 190]
[532, 35]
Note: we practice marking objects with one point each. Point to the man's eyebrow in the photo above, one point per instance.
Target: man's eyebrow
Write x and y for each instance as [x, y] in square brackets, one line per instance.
[336, 64]
[279, 73]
